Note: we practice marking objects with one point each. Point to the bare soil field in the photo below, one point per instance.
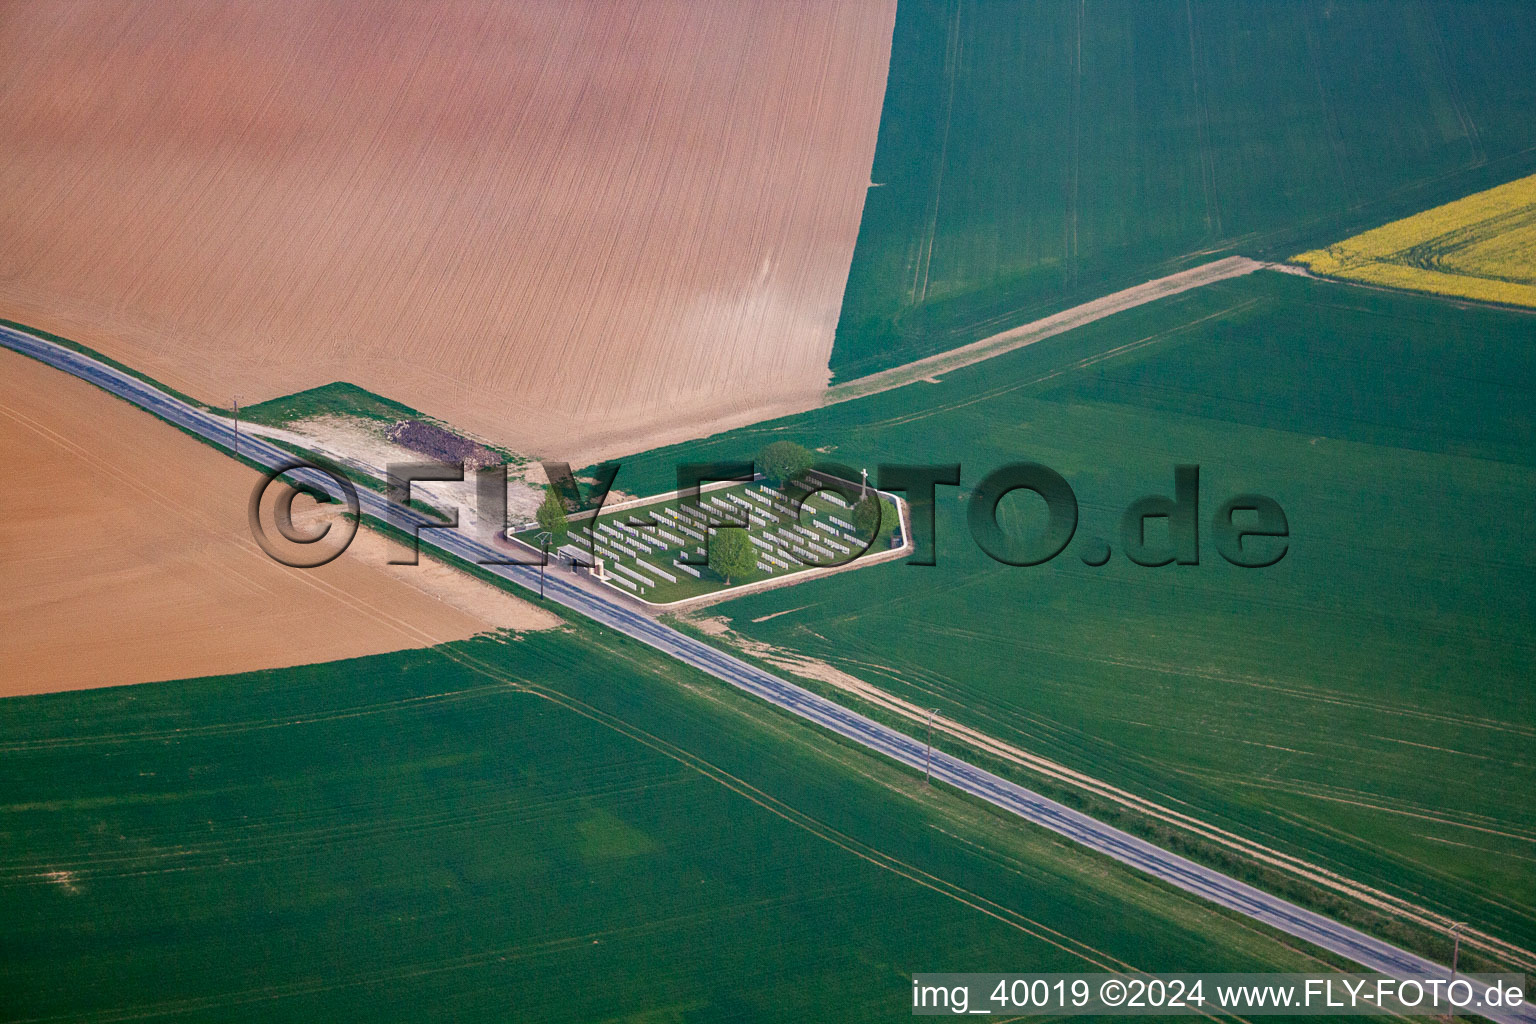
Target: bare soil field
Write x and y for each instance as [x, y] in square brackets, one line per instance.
[574, 228]
[125, 557]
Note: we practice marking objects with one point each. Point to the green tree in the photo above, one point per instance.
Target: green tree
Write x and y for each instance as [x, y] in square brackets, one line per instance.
[866, 515]
[783, 461]
[730, 553]
[551, 516]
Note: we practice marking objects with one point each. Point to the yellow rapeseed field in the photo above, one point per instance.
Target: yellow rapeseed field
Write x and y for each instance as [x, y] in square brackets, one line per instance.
[1481, 247]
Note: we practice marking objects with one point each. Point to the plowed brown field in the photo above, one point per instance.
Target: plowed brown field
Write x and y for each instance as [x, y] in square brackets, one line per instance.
[574, 227]
[125, 557]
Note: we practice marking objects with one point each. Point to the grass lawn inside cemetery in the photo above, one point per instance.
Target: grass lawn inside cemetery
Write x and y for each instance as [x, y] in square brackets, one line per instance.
[656, 550]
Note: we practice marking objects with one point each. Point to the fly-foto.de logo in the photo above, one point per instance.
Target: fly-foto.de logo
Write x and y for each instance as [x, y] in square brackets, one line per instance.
[1246, 529]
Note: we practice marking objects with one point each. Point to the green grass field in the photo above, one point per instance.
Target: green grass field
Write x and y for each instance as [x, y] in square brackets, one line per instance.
[565, 827]
[337, 399]
[1366, 702]
[1033, 155]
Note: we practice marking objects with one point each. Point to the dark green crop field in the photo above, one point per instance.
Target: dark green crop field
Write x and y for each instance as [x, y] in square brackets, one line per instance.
[562, 828]
[1036, 154]
[1368, 702]
[337, 399]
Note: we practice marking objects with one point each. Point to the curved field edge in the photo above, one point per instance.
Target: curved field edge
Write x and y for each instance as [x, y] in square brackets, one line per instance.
[496, 823]
[128, 557]
[338, 398]
[1426, 948]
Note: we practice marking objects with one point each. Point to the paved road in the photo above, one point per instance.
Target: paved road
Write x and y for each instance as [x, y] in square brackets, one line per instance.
[1185, 874]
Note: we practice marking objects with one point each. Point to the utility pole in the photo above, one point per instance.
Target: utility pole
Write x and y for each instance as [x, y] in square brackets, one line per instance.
[1456, 926]
[928, 757]
[544, 539]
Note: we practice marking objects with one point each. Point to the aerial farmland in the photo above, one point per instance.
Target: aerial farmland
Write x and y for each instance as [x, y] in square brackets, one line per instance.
[1481, 247]
[128, 559]
[664, 511]
[1033, 156]
[554, 224]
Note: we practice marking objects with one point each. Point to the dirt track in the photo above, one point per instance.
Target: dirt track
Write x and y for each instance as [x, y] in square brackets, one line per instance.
[125, 557]
[1047, 327]
[573, 227]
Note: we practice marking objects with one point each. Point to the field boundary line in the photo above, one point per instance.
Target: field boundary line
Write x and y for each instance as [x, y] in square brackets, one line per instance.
[1048, 327]
[1062, 774]
[788, 812]
[1163, 865]
[1297, 270]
